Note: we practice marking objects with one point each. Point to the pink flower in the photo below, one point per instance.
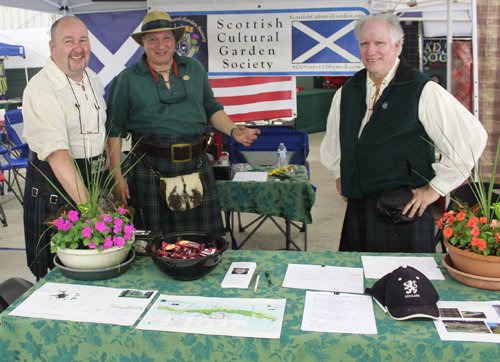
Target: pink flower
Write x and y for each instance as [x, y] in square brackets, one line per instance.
[121, 210]
[87, 221]
[87, 231]
[494, 223]
[475, 231]
[108, 218]
[118, 241]
[92, 245]
[108, 242]
[100, 226]
[73, 215]
[67, 225]
[59, 223]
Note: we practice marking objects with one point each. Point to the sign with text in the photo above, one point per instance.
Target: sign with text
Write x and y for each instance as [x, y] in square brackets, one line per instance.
[272, 42]
[435, 52]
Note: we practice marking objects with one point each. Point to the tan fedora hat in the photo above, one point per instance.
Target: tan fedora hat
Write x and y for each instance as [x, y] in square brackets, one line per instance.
[158, 21]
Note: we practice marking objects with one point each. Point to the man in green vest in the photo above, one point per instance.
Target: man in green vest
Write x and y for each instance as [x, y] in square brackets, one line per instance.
[383, 128]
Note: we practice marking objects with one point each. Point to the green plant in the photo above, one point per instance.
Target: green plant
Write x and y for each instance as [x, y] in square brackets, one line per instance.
[99, 223]
[475, 227]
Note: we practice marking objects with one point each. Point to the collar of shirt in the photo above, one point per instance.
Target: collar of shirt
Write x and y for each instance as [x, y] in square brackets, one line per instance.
[370, 84]
[142, 67]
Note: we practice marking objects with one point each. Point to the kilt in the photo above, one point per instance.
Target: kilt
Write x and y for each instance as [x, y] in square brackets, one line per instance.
[151, 211]
[36, 210]
[363, 231]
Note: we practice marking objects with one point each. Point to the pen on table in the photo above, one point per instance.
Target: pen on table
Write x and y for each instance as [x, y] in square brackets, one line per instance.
[256, 283]
[269, 279]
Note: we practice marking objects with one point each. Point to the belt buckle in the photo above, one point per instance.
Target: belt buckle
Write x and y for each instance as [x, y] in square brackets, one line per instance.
[180, 145]
[53, 199]
[34, 192]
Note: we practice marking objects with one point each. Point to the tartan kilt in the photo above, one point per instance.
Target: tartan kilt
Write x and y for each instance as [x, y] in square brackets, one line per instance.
[36, 211]
[363, 231]
[151, 211]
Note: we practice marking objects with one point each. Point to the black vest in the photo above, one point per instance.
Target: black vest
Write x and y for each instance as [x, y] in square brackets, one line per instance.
[393, 149]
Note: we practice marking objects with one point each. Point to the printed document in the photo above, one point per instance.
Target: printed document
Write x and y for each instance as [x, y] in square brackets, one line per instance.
[238, 317]
[338, 313]
[321, 277]
[469, 321]
[239, 275]
[377, 266]
[85, 303]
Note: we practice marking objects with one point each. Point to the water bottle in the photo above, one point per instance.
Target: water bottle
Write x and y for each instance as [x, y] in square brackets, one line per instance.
[282, 156]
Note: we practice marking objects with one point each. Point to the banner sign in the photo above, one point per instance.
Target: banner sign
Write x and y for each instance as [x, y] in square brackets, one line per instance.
[435, 53]
[273, 42]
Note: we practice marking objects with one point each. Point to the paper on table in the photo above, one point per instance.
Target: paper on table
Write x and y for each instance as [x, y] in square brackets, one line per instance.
[469, 321]
[250, 176]
[239, 275]
[338, 313]
[329, 278]
[377, 266]
[85, 303]
[235, 317]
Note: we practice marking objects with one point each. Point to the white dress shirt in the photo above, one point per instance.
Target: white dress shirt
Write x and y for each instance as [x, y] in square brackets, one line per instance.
[457, 134]
[52, 121]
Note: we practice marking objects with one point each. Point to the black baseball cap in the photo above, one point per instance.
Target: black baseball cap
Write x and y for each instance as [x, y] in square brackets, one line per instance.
[406, 293]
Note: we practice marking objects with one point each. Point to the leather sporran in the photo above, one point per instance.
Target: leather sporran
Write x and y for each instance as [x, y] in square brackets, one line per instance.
[182, 193]
[391, 203]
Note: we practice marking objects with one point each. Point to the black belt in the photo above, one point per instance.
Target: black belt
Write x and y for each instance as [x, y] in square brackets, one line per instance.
[45, 166]
[52, 198]
[183, 152]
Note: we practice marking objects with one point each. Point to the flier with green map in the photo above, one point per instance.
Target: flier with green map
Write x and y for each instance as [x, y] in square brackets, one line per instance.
[239, 317]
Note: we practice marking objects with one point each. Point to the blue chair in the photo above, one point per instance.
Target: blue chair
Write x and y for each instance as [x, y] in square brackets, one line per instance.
[263, 151]
[13, 153]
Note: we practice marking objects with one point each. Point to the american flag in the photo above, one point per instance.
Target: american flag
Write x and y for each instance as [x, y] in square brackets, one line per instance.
[256, 98]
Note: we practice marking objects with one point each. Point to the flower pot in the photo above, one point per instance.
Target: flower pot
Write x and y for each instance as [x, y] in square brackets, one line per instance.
[92, 258]
[472, 263]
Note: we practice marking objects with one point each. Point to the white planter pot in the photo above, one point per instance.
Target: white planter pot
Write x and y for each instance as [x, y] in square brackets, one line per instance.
[92, 259]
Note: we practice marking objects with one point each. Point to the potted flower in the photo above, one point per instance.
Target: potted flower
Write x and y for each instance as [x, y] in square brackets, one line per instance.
[96, 234]
[472, 232]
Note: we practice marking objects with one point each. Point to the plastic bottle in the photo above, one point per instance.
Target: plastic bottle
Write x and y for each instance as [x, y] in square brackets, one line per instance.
[282, 156]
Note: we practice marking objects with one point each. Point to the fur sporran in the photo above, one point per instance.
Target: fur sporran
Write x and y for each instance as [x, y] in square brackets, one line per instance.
[182, 193]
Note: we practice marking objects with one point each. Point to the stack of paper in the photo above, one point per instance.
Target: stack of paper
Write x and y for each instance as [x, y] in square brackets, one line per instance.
[239, 275]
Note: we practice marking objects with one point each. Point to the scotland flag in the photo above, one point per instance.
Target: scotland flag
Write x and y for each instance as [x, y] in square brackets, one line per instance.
[112, 47]
[324, 41]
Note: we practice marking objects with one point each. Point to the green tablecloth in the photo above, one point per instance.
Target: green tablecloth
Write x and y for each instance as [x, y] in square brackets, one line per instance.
[291, 198]
[48, 340]
[313, 107]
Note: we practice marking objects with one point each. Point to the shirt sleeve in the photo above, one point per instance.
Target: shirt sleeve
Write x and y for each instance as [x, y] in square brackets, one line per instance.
[329, 152]
[457, 134]
[45, 128]
[117, 107]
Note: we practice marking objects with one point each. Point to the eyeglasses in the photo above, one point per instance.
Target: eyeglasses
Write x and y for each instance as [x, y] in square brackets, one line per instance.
[175, 98]
[78, 106]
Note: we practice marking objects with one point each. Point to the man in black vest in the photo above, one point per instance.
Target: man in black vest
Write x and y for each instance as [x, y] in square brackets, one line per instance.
[380, 134]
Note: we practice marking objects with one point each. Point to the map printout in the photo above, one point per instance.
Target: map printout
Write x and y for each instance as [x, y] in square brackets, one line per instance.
[239, 317]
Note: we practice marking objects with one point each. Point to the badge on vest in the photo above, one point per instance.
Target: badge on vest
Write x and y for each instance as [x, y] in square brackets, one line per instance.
[384, 106]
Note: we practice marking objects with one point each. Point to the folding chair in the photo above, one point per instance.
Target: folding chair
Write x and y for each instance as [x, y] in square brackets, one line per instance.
[14, 154]
[11, 289]
[263, 151]
[3, 218]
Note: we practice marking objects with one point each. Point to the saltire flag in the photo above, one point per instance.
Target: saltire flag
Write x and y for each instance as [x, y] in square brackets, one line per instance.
[324, 41]
[256, 98]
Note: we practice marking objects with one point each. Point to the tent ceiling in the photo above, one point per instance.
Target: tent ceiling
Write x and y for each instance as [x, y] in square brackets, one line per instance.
[67, 7]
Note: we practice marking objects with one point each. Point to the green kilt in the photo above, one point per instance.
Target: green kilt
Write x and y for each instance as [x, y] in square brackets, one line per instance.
[36, 211]
[151, 211]
[363, 231]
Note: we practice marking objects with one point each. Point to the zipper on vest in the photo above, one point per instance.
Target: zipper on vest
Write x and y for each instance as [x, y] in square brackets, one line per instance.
[357, 166]
[408, 167]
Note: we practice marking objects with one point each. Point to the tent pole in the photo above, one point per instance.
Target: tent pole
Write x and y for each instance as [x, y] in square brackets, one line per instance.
[475, 61]
[449, 45]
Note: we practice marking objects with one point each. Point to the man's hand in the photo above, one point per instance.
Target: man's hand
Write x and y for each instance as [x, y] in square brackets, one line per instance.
[422, 197]
[120, 191]
[339, 189]
[245, 135]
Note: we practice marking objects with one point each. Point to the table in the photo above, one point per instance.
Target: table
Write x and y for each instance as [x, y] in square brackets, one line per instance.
[291, 199]
[313, 107]
[49, 340]
[9, 105]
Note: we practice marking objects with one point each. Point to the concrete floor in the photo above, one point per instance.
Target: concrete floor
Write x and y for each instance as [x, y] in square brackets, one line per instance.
[323, 233]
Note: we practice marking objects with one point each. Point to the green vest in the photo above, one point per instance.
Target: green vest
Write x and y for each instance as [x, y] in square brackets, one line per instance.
[392, 149]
